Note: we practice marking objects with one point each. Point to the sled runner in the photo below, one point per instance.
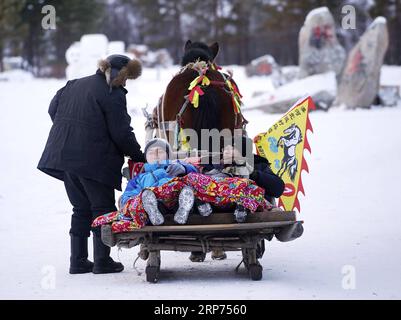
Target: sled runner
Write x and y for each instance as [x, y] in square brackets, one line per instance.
[204, 234]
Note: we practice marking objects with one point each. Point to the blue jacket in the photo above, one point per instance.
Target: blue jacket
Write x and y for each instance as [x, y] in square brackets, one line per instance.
[154, 175]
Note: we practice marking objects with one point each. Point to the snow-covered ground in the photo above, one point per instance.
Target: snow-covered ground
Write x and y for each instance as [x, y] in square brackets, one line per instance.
[351, 211]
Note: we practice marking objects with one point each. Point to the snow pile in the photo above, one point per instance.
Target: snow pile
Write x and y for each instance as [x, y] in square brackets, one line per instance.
[391, 76]
[83, 56]
[151, 59]
[16, 75]
[297, 89]
[116, 47]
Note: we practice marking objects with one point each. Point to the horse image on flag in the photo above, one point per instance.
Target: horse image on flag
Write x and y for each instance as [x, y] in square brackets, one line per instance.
[283, 145]
[289, 143]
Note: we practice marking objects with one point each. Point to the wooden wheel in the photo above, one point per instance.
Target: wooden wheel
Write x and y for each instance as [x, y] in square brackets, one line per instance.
[260, 249]
[153, 267]
[152, 274]
[255, 271]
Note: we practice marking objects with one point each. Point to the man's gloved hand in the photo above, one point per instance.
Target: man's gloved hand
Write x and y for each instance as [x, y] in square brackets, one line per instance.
[175, 169]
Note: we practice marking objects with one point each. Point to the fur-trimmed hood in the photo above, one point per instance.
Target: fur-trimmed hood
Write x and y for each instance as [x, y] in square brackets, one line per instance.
[115, 76]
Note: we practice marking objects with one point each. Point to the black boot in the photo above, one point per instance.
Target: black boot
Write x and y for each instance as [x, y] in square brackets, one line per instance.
[103, 262]
[79, 262]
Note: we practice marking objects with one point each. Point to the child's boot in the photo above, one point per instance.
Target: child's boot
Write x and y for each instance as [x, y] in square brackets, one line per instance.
[240, 214]
[186, 201]
[204, 208]
[149, 202]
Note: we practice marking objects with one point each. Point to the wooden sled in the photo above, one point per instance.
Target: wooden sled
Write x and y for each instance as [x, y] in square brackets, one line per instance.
[219, 231]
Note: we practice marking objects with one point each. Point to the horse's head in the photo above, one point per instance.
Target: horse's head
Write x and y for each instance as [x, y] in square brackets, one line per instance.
[294, 133]
[194, 51]
[214, 100]
[291, 129]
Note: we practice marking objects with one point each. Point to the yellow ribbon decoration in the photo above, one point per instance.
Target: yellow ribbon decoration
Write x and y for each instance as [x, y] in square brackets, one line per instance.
[193, 83]
[195, 100]
[183, 140]
[205, 82]
[236, 97]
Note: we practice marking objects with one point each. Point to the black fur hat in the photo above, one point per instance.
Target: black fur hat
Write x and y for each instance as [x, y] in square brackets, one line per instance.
[118, 68]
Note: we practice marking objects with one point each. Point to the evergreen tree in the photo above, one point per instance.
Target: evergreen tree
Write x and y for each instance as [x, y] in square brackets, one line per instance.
[391, 9]
[244, 29]
[73, 19]
[9, 25]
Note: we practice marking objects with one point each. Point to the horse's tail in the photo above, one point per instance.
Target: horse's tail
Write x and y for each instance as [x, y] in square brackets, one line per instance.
[207, 115]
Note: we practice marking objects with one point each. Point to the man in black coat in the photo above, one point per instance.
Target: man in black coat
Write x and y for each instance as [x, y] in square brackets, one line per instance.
[90, 136]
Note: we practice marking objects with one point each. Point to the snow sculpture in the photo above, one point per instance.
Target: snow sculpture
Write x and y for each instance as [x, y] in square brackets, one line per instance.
[262, 66]
[360, 80]
[83, 56]
[319, 49]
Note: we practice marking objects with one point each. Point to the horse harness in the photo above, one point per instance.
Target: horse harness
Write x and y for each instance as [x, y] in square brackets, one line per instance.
[195, 89]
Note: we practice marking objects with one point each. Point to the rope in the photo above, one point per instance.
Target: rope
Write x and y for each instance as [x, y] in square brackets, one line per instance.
[184, 106]
[158, 117]
[237, 268]
[137, 271]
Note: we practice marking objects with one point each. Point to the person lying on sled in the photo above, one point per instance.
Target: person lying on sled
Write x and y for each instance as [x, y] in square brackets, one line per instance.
[252, 172]
[158, 184]
[221, 189]
[240, 167]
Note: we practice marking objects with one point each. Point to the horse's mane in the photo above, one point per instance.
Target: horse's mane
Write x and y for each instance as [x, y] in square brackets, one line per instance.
[197, 66]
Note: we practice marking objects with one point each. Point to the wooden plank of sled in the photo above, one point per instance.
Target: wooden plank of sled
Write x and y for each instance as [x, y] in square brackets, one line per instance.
[208, 228]
[228, 217]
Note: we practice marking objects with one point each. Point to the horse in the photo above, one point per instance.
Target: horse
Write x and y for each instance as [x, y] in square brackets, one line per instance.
[289, 143]
[217, 105]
